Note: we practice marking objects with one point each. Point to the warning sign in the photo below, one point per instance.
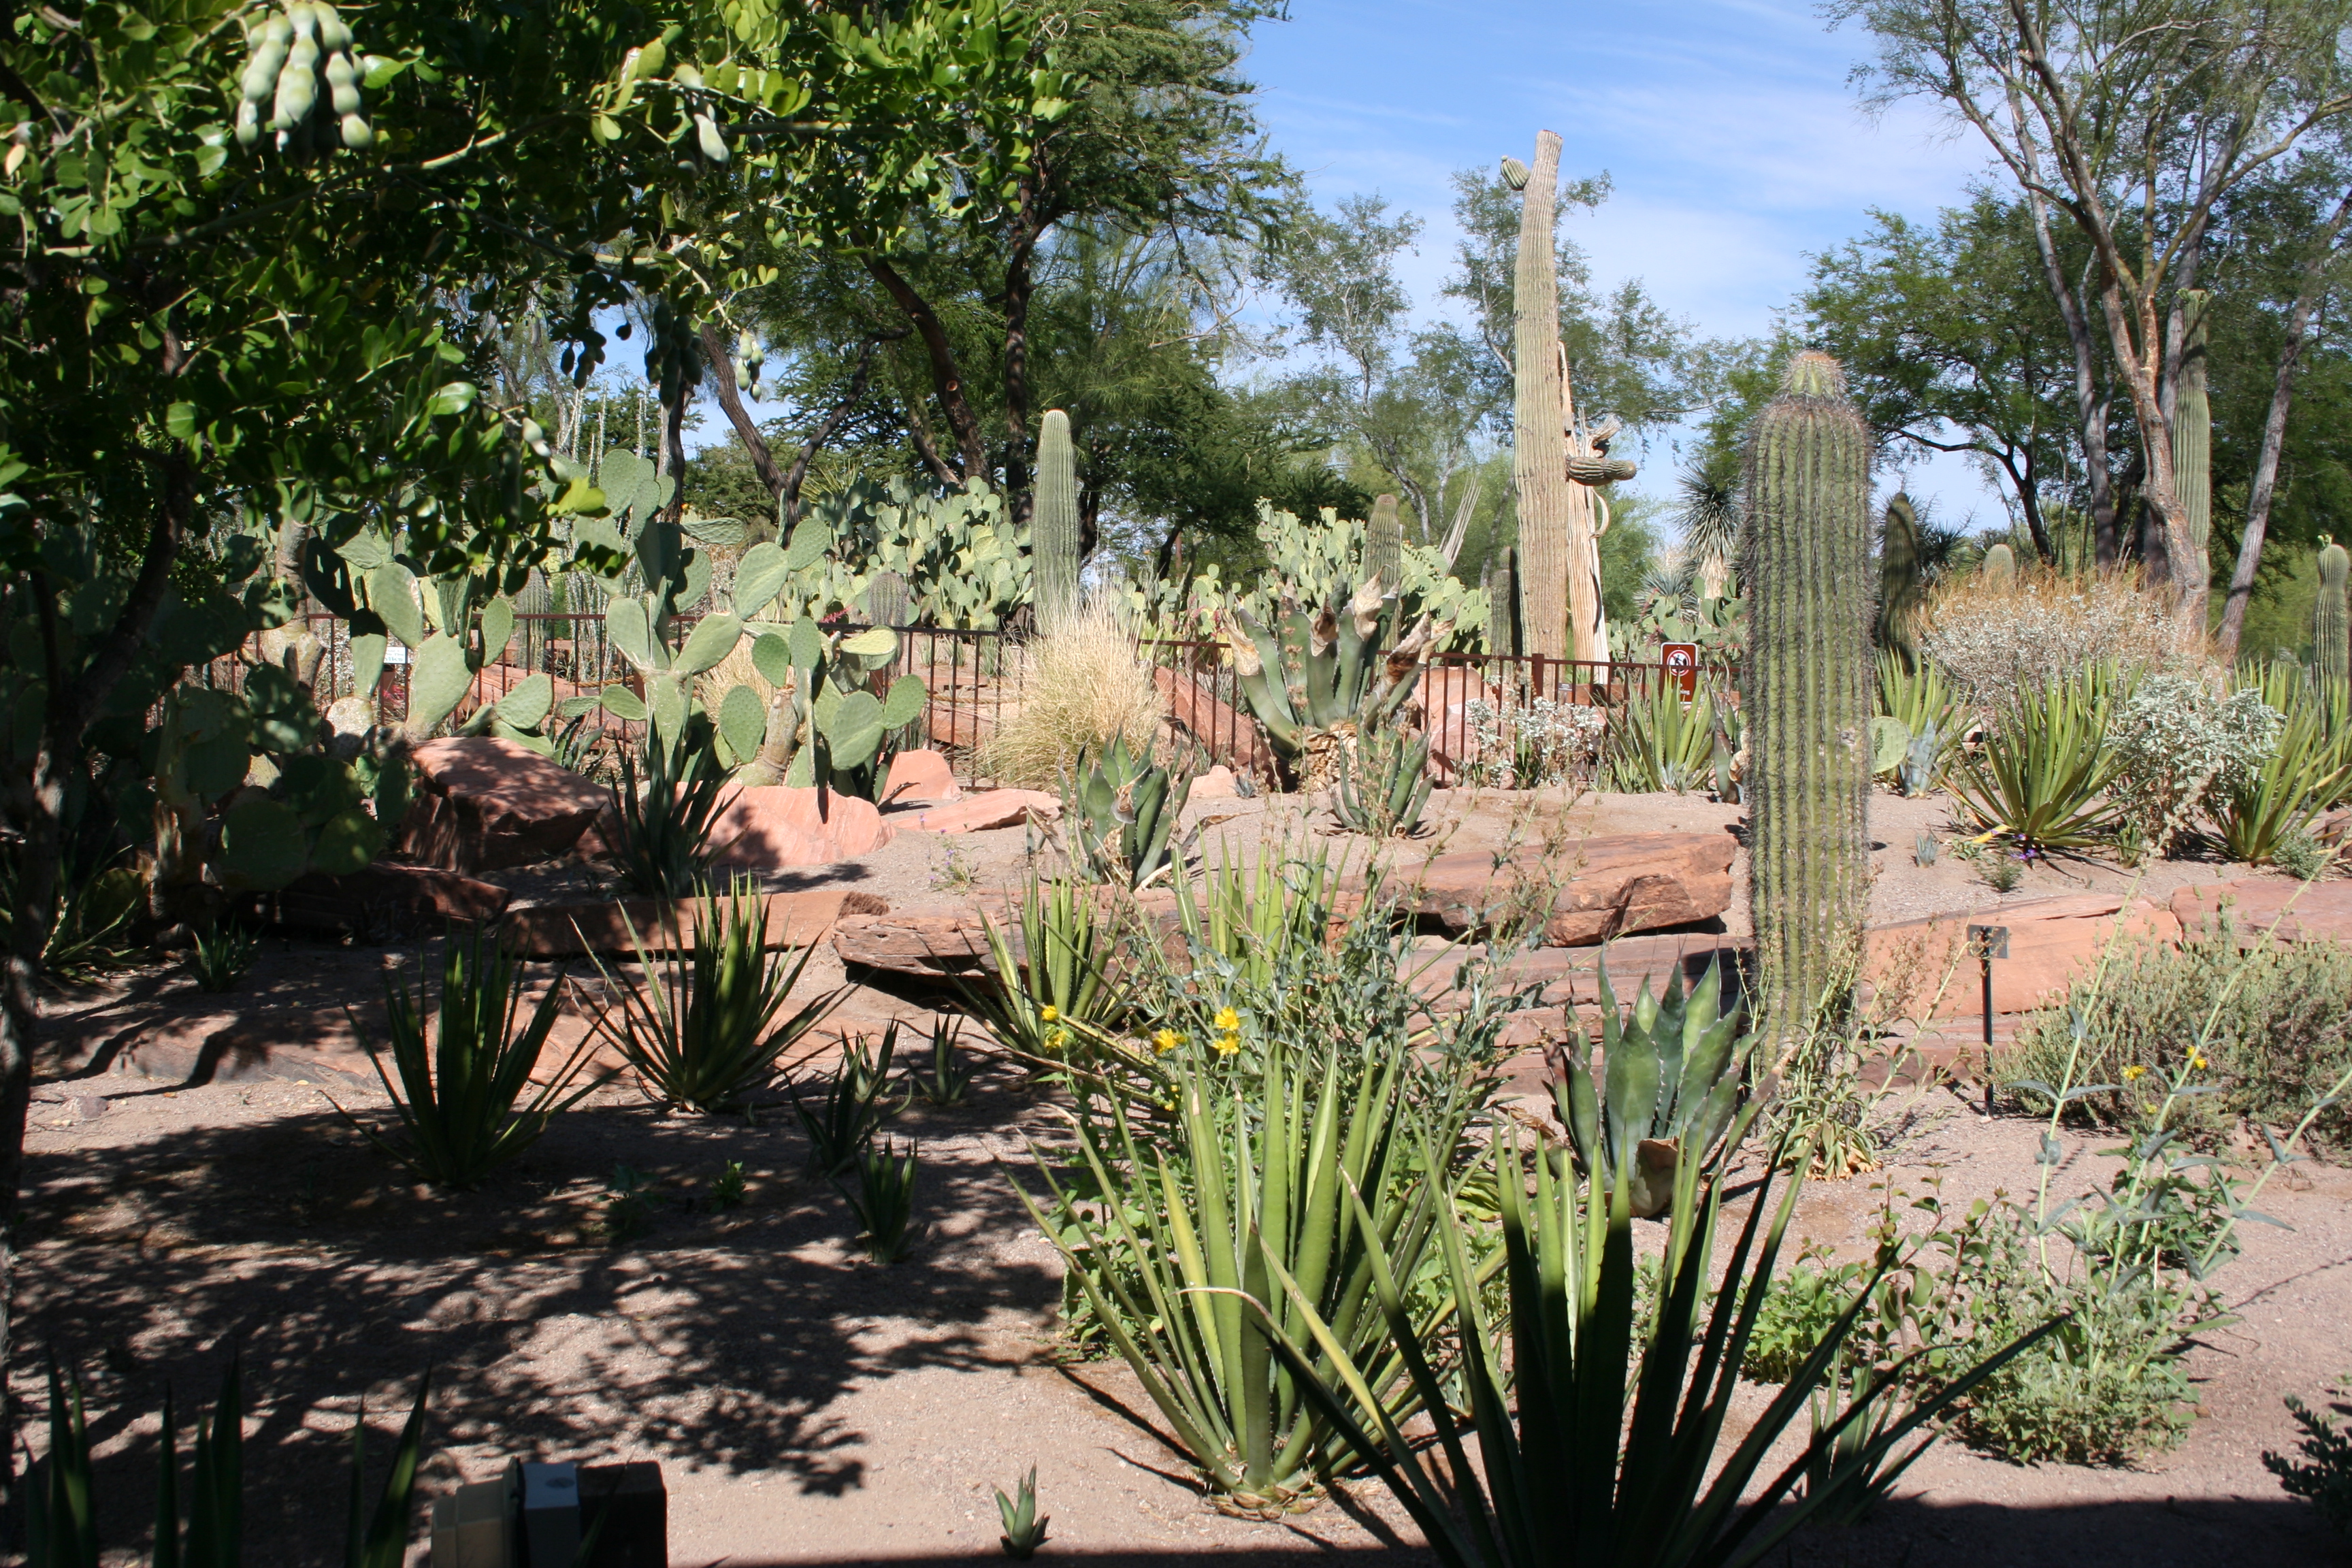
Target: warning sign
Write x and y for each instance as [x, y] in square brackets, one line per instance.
[1681, 660]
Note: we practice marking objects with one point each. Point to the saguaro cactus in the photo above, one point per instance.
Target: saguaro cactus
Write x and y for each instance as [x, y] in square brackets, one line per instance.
[2192, 436]
[1807, 688]
[1054, 523]
[1539, 409]
[1384, 545]
[2332, 622]
[1502, 604]
[1900, 590]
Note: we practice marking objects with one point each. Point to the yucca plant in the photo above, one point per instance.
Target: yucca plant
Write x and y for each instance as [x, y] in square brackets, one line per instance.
[1381, 789]
[1659, 742]
[461, 1089]
[1919, 697]
[885, 1200]
[221, 955]
[1056, 977]
[2042, 780]
[1258, 1170]
[842, 1124]
[61, 1516]
[663, 846]
[2309, 771]
[1598, 1444]
[1668, 1081]
[701, 1028]
[945, 1080]
[1253, 915]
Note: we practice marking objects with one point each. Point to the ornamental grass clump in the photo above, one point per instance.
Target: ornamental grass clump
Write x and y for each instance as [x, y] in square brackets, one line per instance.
[1083, 687]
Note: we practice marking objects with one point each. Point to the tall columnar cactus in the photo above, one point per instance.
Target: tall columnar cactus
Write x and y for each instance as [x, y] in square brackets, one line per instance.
[1900, 589]
[2192, 434]
[2332, 621]
[1539, 409]
[1054, 523]
[1807, 688]
[1998, 567]
[1385, 545]
[1502, 586]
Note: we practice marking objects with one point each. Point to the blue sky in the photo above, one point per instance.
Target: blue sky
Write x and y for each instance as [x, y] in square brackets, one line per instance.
[1736, 144]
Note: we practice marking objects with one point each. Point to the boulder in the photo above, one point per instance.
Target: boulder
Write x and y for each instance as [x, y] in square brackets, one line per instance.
[483, 804]
[940, 940]
[777, 826]
[1217, 784]
[989, 809]
[1606, 887]
[383, 902]
[1223, 729]
[568, 930]
[1921, 969]
[2319, 912]
[920, 775]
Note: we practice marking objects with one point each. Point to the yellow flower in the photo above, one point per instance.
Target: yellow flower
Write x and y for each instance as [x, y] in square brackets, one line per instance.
[1167, 1040]
[1050, 1015]
[1228, 1020]
[2197, 1062]
[2134, 1073]
[1228, 1044]
[1056, 1038]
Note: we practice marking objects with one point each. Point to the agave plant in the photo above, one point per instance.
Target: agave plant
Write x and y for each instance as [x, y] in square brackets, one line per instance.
[663, 846]
[2309, 771]
[701, 1028]
[1052, 971]
[1668, 1083]
[1121, 812]
[1600, 1443]
[1659, 742]
[842, 1124]
[461, 1091]
[2043, 777]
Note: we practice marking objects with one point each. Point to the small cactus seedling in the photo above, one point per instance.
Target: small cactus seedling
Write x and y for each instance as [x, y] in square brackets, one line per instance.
[1024, 1527]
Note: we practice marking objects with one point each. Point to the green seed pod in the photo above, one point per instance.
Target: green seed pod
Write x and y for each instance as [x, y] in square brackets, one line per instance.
[334, 33]
[1807, 697]
[297, 94]
[248, 123]
[714, 145]
[260, 74]
[358, 134]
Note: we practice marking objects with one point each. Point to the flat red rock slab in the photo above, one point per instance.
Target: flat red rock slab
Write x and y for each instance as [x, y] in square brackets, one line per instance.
[1921, 969]
[659, 925]
[2321, 911]
[920, 775]
[983, 811]
[384, 902]
[1602, 888]
[484, 804]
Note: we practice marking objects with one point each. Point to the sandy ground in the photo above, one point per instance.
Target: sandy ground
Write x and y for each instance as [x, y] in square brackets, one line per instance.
[809, 1406]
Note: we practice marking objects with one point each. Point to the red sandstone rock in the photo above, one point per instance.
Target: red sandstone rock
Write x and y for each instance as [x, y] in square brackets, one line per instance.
[919, 776]
[1225, 729]
[566, 930]
[384, 902]
[989, 809]
[484, 802]
[776, 827]
[1921, 969]
[2319, 912]
[1604, 888]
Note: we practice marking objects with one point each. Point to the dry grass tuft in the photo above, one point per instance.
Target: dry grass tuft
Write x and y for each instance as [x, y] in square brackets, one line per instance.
[1083, 686]
[1996, 639]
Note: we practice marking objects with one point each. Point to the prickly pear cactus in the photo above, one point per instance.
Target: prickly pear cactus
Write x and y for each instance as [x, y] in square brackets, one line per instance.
[1806, 692]
[2332, 620]
[843, 710]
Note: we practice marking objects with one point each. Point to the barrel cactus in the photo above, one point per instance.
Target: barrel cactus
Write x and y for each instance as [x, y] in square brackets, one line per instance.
[2332, 621]
[1806, 691]
[1998, 568]
[1054, 523]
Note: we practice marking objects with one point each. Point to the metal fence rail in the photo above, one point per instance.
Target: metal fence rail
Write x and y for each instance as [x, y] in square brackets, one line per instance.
[1472, 706]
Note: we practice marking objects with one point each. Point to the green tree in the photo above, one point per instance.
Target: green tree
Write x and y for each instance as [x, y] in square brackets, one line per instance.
[216, 322]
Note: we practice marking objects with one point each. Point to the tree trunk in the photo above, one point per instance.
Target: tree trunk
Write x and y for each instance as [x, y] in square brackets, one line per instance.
[790, 494]
[66, 717]
[731, 399]
[2266, 467]
[962, 423]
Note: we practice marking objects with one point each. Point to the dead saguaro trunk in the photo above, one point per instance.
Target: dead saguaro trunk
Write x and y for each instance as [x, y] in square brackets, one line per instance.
[1539, 409]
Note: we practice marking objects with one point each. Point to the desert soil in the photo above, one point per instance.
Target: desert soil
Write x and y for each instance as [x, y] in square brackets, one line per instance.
[809, 1406]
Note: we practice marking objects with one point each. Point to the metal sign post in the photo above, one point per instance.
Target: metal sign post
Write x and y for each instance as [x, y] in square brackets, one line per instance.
[1988, 942]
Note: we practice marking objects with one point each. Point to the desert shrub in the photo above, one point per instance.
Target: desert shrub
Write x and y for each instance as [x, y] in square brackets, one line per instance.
[2272, 1023]
[1081, 688]
[2324, 1474]
[2265, 813]
[1532, 745]
[2180, 752]
[1994, 638]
